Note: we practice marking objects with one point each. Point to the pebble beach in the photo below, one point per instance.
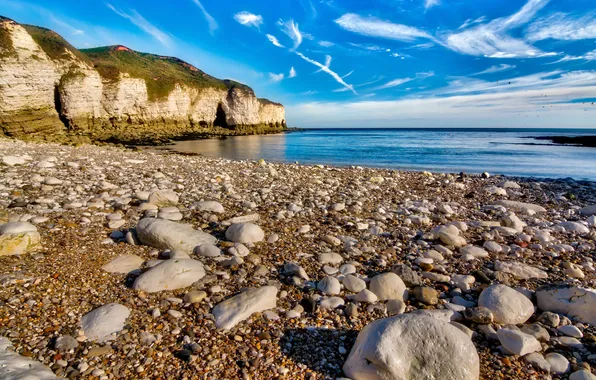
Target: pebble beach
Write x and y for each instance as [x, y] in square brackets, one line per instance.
[145, 264]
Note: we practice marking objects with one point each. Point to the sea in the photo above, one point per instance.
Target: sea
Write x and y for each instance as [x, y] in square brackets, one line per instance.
[511, 152]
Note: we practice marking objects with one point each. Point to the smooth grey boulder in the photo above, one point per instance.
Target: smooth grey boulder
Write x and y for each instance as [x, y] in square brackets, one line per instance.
[16, 367]
[170, 275]
[412, 347]
[165, 234]
[245, 233]
[103, 323]
[573, 301]
[124, 264]
[240, 307]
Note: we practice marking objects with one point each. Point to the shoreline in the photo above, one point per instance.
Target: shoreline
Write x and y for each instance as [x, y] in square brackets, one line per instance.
[86, 204]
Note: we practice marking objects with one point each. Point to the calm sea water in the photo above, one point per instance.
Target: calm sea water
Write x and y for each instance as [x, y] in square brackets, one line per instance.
[440, 150]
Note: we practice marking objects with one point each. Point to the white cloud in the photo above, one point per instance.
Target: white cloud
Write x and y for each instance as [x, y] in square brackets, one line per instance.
[547, 95]
[489, 39]
[493, 40]
[210, 20]
[143, 24]
[276, 77]
[290, 28]
[248, 19]
[326, 43]
[496, 69]
[274, 41]
[74, 31]
[589, 56]
[348, 74]
[400, 81]
[375, 79]
[561, 26]
[431, 3]
[374, 27]
[292, 73]
[327, 70]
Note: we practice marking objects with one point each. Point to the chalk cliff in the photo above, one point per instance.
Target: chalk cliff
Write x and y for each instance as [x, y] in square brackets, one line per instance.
[49, 89]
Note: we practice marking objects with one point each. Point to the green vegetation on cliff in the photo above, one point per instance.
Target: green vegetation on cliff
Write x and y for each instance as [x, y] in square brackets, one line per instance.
[159, 72]
[6, 46]
[54, 45]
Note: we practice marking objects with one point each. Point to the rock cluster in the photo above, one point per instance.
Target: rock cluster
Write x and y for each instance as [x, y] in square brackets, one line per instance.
[143, 264]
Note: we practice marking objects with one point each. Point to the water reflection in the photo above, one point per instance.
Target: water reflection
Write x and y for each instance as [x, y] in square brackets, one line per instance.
[472, 151]
[269, 147]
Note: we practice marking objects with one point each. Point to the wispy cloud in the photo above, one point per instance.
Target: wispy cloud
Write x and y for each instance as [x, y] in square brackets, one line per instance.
[549, 95]
[493, 39]
[374, 27]
[589, 56]
[496, 69]
[327, 70]
[431, 3]
[210, 20]
[276, 77]
[291, 29]
[375, 79]
[274, 41]
[74, 31]
[400, 81]
[143, 24]
[476, 38]
[347, 75]
[326, 43]
[249, 19]
[292, 73]
[561, 26]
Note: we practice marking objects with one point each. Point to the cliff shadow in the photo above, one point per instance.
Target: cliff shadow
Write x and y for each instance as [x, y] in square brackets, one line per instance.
[318, 348]
[58, 107]
[220, 117]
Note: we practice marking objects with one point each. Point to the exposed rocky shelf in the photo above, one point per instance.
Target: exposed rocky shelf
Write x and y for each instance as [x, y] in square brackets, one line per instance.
[51, 91]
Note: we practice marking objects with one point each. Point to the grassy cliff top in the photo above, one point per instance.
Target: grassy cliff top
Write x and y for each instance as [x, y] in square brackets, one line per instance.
[161, 73]
[6, 45]
[53, 44]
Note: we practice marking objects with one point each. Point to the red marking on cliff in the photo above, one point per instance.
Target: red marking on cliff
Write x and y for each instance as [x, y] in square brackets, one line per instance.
[189, 66]
[122, 48]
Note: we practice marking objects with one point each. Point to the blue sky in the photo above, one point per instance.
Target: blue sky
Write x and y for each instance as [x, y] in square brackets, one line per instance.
[355, 63]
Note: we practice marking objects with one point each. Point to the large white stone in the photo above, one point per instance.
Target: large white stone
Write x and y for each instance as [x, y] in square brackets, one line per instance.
[13, 160]
[388, 286]
[17, 238]
[507, 305]
[240, 307]
[520, 206]
[16, 367]
[520, 270]
[165, 234]
[582, 375]
[209, 206]
[517, 342]
[329, 285]
[163, 198]
[574, 227]
[103, 323]
[573, 301]
[588, 210]
[412, 347]
[170, 275]
[123, 264]
[245, 233]
[474, 251]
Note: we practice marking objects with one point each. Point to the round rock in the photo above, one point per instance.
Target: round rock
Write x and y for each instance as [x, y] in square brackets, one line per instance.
[413, 347]
[245, 233]
[507, 305]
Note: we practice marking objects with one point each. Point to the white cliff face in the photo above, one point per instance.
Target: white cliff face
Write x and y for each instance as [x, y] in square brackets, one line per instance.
[28, 76]
[81, 94]
[31, 80]
[271, 113]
